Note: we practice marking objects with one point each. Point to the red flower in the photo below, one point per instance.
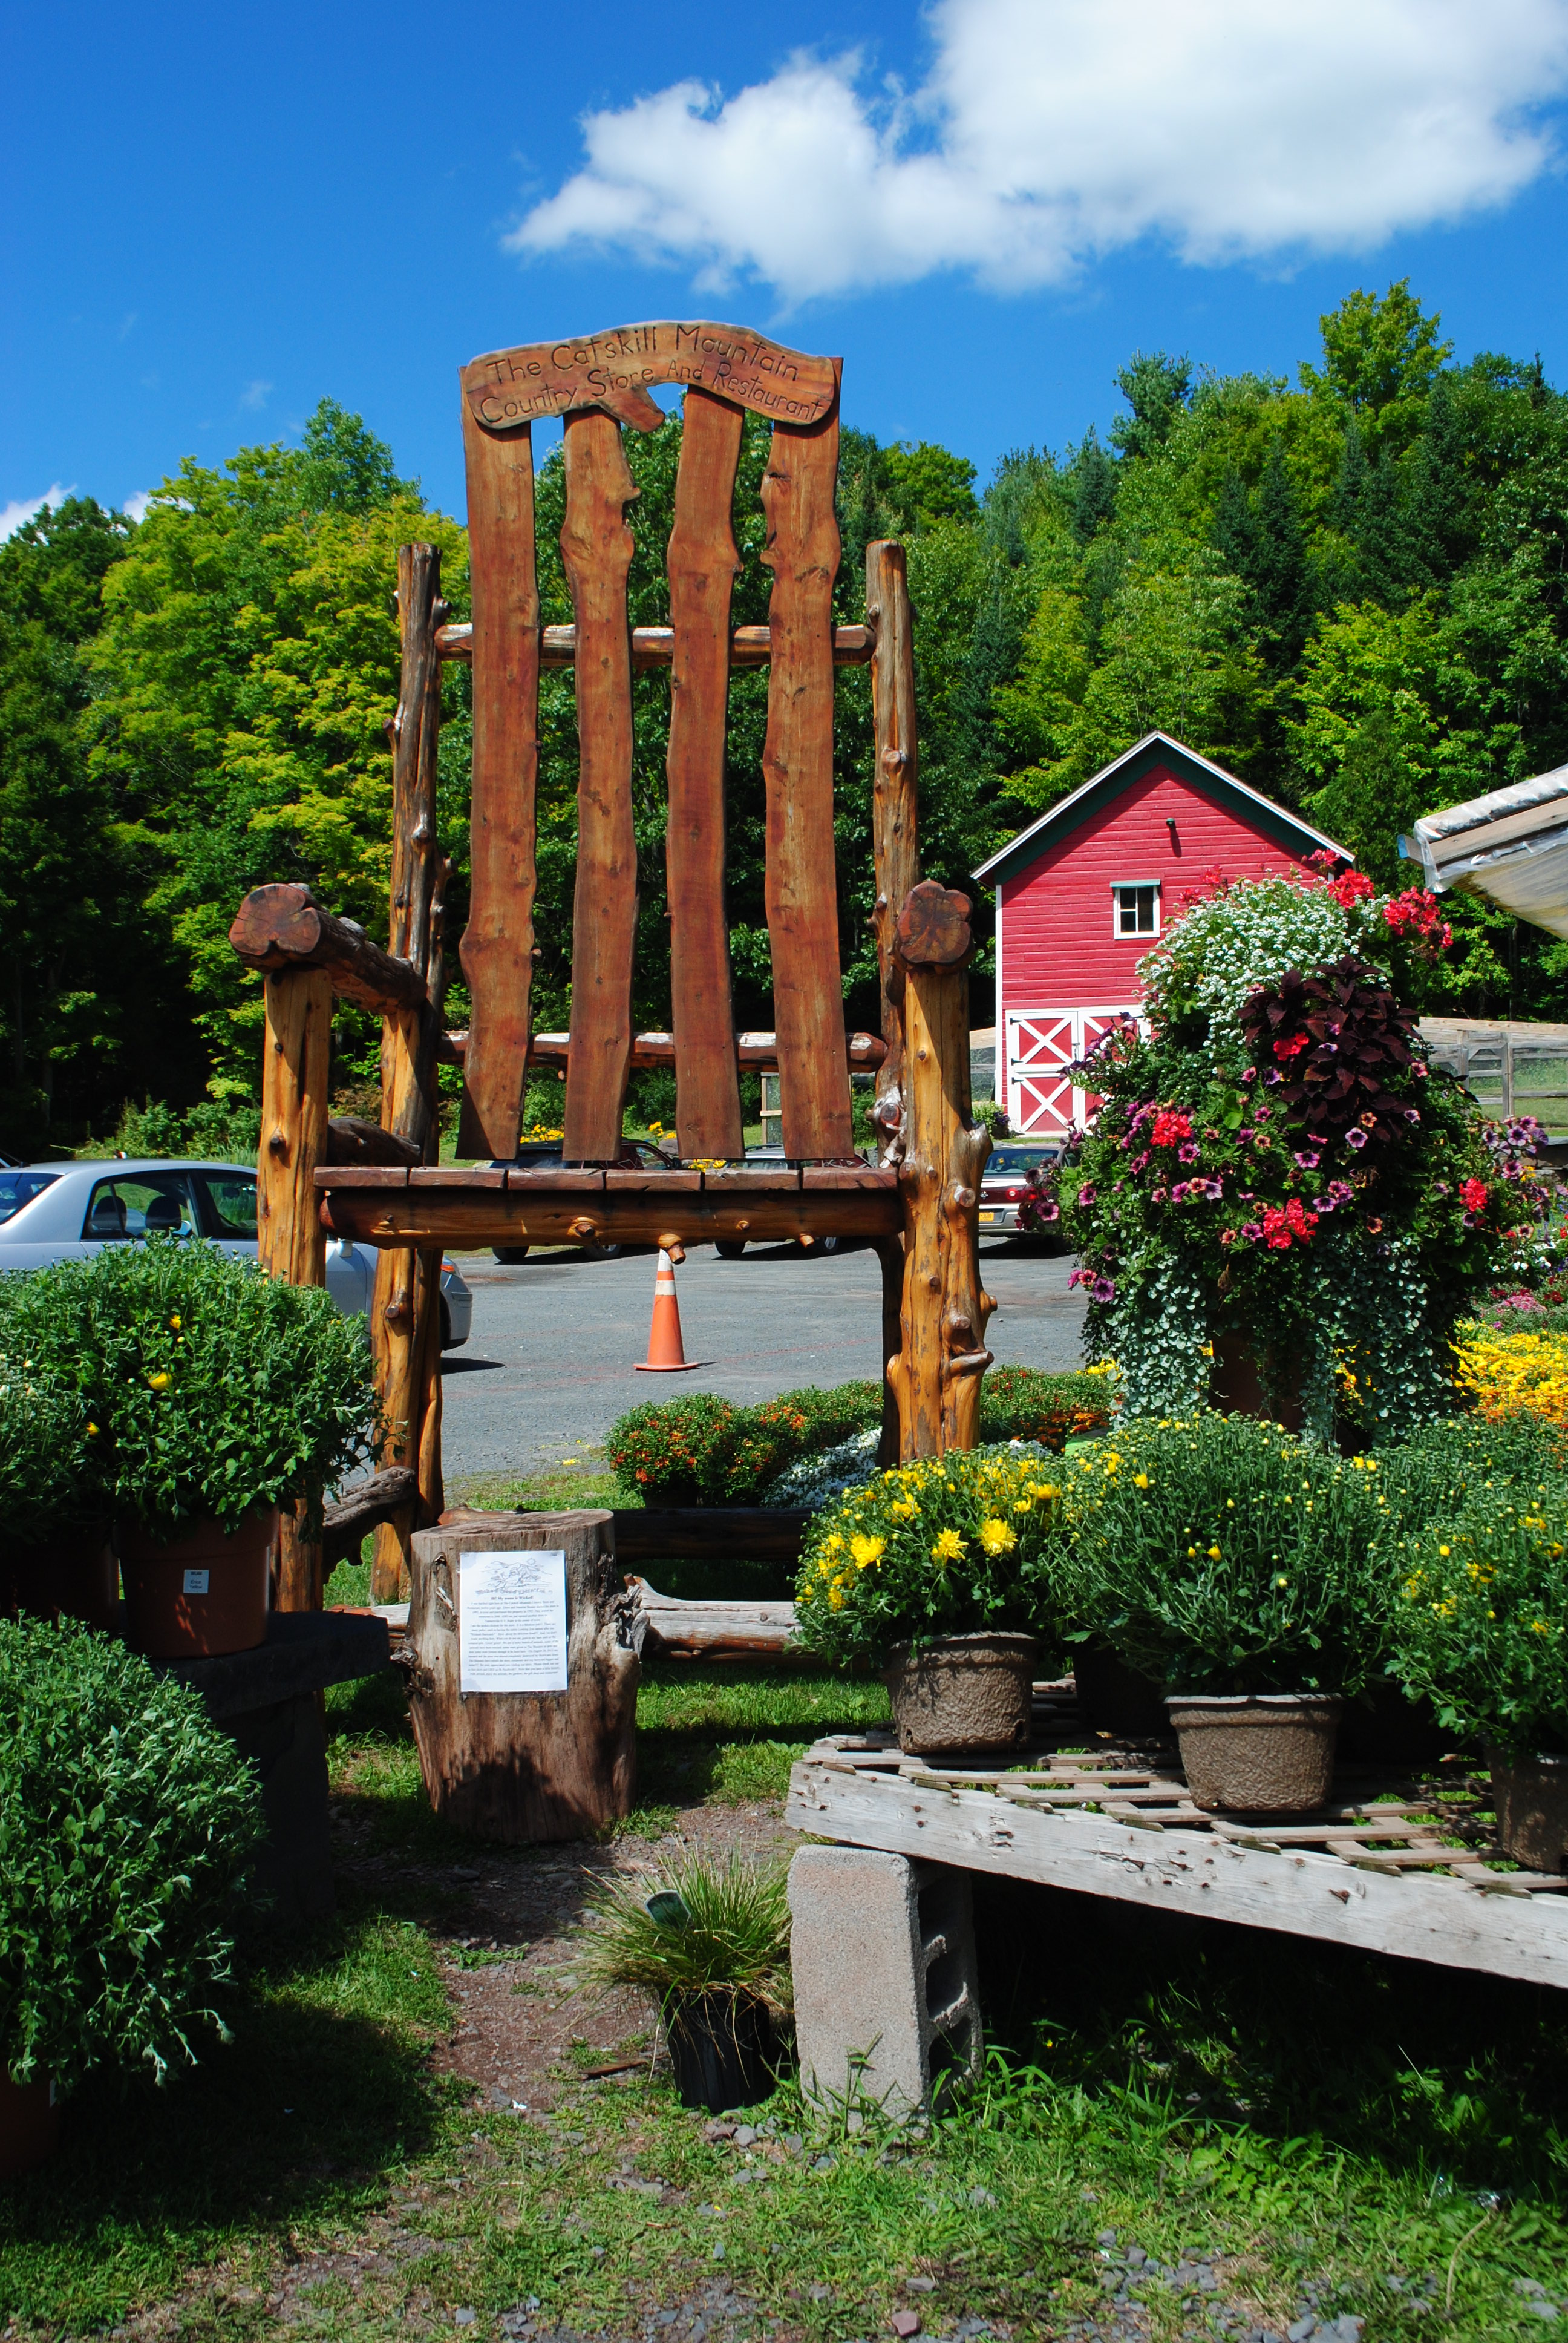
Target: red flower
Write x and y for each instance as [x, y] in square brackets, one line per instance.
[1294, 1224]
[1350, 887]
[1285, 1050]
[1171, 1127]
[1472, 1195]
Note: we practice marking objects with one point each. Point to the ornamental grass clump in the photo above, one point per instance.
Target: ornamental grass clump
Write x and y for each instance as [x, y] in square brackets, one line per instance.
[1217, 1554]
[127, 1821]
[949, 1546]
[704, 1928]
[211, 1388]
[1480, 1618]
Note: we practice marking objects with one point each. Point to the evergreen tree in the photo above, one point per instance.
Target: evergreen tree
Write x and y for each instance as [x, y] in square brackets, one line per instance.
[1093, 478]
[1155, 386]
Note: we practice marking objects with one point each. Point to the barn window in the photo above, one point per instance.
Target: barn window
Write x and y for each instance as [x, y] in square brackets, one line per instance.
[1135, 908]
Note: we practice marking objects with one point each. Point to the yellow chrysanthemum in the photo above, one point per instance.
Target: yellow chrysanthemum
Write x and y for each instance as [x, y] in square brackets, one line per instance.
[998, 1536]
[948, 1546]
[159, 1382]
[864, 1550]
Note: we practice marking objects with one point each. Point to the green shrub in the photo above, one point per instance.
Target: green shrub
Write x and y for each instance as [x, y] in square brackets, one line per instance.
[50, 1478]
[127, 1822]
[948, 1546]
[1217, 1554]
[215, 1388]
[711, 1451]
[1481, 1624]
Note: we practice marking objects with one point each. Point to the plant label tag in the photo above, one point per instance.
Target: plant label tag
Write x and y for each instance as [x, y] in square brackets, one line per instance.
[512, 1621]
[195, 1582]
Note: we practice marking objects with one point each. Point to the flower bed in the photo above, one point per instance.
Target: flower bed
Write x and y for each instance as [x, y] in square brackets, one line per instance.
[702, 1450]
[1505, 1373]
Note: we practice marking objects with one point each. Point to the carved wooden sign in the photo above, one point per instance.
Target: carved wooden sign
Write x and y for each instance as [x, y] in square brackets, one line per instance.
[614, 370]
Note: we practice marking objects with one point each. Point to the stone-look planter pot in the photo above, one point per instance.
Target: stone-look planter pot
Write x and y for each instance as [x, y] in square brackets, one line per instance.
[962, 1692]
[1529, 1795]
[29, 2125]
[204, 1593]
[1269, 1753]
[1115, 1698]
[722, 2050]
[74, 1576]
[1236, 1384]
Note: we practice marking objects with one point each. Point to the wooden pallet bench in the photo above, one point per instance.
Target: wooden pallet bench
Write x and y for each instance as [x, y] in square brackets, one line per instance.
[1390, 1865]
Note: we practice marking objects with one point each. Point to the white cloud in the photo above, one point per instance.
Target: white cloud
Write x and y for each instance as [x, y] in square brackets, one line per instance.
[136, 504]
[255, 395]
[24, 508]
[1050, 132]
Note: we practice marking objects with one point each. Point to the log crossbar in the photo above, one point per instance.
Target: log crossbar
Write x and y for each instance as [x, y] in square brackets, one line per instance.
[383, 1185]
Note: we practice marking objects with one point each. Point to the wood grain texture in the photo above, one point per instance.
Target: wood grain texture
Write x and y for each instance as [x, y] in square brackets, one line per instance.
[395, 1218]
[284, 927]
[653, 647]
[405, 1302]
[801, 887]
[1301, 1895]
[614, 369]
[936, 1377]
[895, 791]
[521, 1767]
[703, 564]
[496, 950]
[667, 1627]
[597, 548]
[291, 1243]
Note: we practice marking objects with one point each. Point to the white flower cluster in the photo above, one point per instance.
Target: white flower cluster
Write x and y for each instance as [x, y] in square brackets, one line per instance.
[814, 1482]
[1217, 952]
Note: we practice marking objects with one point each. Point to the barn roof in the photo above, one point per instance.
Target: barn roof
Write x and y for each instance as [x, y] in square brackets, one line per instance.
[1287, 828]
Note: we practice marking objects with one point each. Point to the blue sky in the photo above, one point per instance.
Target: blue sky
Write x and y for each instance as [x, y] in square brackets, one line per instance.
[218, 216]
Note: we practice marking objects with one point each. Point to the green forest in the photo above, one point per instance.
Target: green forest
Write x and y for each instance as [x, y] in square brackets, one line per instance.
[1349, 588]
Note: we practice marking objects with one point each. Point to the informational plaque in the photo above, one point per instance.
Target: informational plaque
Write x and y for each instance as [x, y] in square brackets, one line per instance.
[512, 1621]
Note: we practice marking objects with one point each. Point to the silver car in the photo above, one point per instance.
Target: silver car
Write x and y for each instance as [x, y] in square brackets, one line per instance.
[65, 1212]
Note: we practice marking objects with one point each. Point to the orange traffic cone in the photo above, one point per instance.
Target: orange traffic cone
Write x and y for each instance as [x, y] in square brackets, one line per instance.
[666, 1352]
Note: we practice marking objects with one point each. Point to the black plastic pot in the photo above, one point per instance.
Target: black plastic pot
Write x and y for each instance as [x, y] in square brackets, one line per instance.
[722, 2049]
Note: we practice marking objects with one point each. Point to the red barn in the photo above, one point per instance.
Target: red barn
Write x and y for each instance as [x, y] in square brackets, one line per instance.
[1083, 892]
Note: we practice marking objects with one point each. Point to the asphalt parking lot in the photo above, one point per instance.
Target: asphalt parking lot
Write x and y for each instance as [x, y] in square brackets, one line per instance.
[551, 1360]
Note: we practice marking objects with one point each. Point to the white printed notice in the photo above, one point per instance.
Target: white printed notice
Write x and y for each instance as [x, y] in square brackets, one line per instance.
[512, 1621]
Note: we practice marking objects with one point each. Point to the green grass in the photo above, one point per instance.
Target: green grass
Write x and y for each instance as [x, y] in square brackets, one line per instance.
[1322, 2116]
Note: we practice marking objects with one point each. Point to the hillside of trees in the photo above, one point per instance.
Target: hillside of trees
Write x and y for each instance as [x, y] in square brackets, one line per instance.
[1349, 590]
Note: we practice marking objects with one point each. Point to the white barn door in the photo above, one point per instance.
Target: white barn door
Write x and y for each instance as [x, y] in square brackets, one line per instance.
[1040, 1045]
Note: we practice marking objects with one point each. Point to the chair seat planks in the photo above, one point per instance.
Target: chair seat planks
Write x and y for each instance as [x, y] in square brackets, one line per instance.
[920, 1208]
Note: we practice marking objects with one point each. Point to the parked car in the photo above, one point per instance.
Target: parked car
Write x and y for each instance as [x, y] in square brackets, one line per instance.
[62, 1211]
[732, 1248]
[1004, 1183]
[545, 1155]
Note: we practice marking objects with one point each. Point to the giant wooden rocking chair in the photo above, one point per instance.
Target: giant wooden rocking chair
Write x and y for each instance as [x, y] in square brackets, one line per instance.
[384, 1187]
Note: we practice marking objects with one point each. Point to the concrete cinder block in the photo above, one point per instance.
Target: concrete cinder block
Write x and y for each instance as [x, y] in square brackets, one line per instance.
[887, 2006]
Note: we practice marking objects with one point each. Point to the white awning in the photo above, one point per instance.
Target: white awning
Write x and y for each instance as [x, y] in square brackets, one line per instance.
[1510, 845]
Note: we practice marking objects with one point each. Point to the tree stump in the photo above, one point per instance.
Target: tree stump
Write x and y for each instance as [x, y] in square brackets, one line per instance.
[525, 1766]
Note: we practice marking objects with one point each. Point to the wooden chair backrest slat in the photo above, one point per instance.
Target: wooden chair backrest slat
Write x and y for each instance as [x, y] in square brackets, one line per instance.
[597, 549]
[498, 943]
[703, 563]
[800, 884]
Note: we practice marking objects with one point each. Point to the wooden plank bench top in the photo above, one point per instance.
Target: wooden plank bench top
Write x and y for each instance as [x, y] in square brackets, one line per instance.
[1392, 1865]
[387, 1206]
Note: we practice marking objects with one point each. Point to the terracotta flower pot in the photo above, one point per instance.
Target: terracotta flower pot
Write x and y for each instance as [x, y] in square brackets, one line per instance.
[200, 1595]
[1270, 1753]
[1531, 1798]
[1115, 1698]
[29, 2124]
[963, 1692]
[74, 1576]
